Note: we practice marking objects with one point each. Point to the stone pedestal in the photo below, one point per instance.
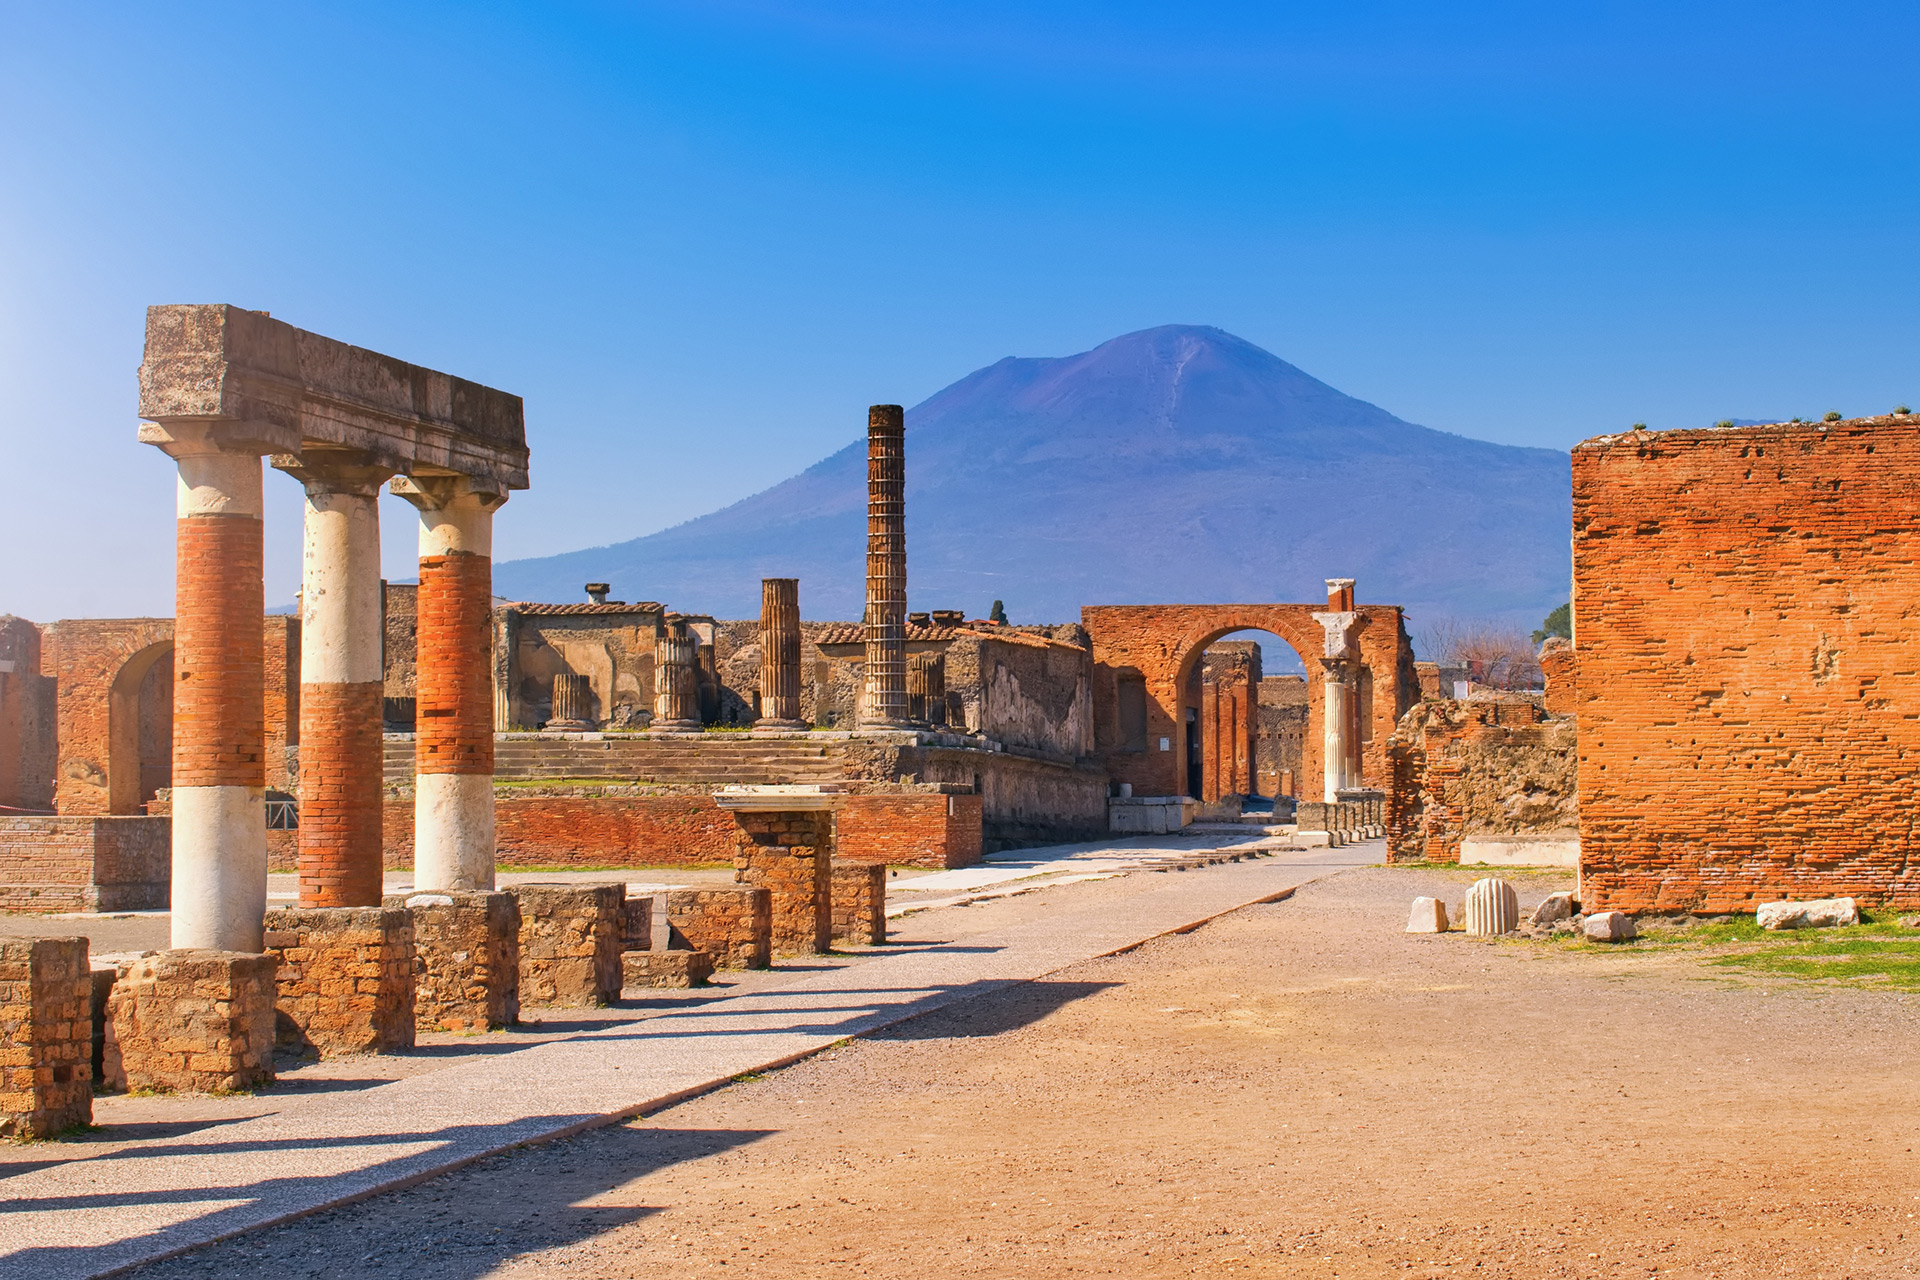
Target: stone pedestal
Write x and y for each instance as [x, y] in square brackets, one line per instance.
[466, 968]
[46, 1036]
[666, 968]
[570, 943]
[731, 923]
[860, 904]
[346, 979]
[192, 1022]
[784, 844]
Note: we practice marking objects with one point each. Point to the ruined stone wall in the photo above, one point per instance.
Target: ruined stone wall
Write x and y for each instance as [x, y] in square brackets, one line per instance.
[400, 650]
[1561, 669]
[27, 712]
[611, 645]
[1023, 689]
[1463, 769]
[84, 863]
[1229, 679]
[1749, 664]
[1281, 735]
[1023, 801]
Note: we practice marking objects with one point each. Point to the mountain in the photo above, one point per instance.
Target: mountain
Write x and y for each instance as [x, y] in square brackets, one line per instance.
[1177, 464]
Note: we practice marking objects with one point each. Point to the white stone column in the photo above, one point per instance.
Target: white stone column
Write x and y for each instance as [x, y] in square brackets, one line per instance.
[1333, 735]
[219, 736]
[1340, 748]
[453, 833]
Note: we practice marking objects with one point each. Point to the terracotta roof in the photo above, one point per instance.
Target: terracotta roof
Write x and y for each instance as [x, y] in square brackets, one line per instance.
[549, 610]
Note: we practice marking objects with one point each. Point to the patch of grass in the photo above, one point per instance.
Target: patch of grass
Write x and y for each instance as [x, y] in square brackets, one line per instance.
[1882, 954]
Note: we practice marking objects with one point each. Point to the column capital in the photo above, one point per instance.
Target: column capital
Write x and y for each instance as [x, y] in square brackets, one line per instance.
[440, 492]
[202, 437]
[1339, 628]
[325, 471]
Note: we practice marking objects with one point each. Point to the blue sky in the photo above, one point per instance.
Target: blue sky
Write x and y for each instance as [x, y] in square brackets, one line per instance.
[701, 238]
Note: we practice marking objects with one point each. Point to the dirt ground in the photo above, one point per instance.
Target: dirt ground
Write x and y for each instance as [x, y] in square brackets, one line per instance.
[1297, 1089]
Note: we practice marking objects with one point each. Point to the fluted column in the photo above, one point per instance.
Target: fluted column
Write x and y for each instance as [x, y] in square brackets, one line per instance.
[341, 685]
[219, 697]
[676, 687]
[779, 655]
[927, 687]
[885, 702]
[1340, 747]
[453, 840]
[572, 700]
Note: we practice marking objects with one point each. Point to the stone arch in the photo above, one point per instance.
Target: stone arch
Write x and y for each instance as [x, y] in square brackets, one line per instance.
[139, 712]
[1159, 644]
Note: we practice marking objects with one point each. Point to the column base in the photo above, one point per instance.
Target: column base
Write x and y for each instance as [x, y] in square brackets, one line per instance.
[780, 726]
[675, 726]
[860, 903]
[466, 964]
[732, 923]
[570, 943]
[346, 980]
[192, 1021]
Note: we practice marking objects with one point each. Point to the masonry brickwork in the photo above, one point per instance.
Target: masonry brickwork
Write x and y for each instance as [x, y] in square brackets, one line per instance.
[1225, 686]
[1478, 768]
[1280, 736]
[666, 968]
[909, 830]
[454, 707]
[732, 923]
[859, 904]
[84, 864]
[1746, 636]
[1562, 671]
[571, 937]
[191, 1022]
[466, 960]
[341, 799]
[46, 1036]
[790, 854]
[345, 981]
[28, 712]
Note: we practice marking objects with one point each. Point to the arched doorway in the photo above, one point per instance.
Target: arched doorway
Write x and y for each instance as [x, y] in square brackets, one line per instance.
[1244, 704]
[140, 729]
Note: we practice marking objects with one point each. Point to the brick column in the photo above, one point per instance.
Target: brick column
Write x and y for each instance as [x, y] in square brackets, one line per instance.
[219, 698]
[341, 686]
[779, 655]
[784, 843]
[453, 838]
[884, 703]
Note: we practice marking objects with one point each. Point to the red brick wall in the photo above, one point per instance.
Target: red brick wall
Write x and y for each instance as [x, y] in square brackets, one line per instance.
[1561, 670]
[673, 830]
[282, 712]
[84, 863]
[1749, 654]
[340, 795]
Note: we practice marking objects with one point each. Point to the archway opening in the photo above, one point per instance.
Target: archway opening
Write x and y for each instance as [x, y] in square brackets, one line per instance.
[1244, 710]
[140, 729]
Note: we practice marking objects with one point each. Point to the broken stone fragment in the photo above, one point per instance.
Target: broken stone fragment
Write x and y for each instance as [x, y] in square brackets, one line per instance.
[1492, 907]
[1819, 913]
[1558, 906]
[1609, 926]
[1429, 916]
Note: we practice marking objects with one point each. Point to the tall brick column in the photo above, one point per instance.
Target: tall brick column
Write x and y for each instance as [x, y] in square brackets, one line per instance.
[779, 655]
[453, 836]
[219, 696]
[885, 701]
[341, 683]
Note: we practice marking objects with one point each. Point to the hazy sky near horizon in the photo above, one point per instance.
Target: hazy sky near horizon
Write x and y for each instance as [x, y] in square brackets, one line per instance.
[699, 238]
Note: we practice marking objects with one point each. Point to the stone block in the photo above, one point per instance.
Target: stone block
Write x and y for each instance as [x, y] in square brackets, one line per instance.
[570, 943]
[1429, 915]
[346, 979]
[859, 904]
[466, 960]
[1817, 913]
[46, 1036]
[666, 968]
[731, 923]
[1555, 907]
[636, 925]
[1492, 908]
[1608, 926]
[192, 1021]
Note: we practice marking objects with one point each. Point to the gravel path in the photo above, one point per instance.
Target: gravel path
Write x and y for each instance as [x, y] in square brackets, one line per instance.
[1294, 1090]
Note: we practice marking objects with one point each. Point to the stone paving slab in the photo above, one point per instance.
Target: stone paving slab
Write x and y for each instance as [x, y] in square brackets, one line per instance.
[132, 1203]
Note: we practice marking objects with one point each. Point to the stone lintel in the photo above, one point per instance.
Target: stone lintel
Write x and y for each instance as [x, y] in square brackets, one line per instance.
[777, 799]
[272, 388]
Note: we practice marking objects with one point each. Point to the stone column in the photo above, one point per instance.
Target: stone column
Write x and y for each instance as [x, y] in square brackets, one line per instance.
[572, 698]
[885, 702]
[453, 838]
[779, 655]
[927, 687]
[341, 685]
[676, 689]
[219, 698]
[1339, 739]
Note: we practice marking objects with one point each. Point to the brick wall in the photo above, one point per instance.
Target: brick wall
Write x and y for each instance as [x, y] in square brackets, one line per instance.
[790, 855]
[909, 830]
[46, 1036]
[85, 863]
[26, 719]
[1477, 768]
[1561, 670]
[1749, 654]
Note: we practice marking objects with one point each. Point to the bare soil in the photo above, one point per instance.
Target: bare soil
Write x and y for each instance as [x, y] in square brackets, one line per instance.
[1297, 1089]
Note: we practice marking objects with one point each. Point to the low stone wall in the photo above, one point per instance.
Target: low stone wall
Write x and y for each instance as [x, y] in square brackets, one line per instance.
[346, 979]
[466, 967]
[859, 904]
[732, 923]
[917, 830]
[666, 968]
[571, 936]
[192, 1022]
[790, 854]
[46, 1036]
[1463, 770]
[50, 863]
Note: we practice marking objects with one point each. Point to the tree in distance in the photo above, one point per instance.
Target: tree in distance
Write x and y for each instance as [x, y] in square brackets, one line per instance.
[1558, 623]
